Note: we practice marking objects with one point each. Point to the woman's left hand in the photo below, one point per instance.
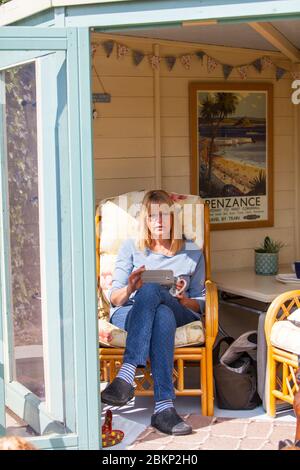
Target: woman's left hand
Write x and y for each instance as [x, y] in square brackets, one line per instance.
[182, 298]
[180, 285]
[187, 302]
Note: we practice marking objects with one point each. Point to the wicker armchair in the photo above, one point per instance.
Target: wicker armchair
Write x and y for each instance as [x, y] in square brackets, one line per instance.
[283, 351]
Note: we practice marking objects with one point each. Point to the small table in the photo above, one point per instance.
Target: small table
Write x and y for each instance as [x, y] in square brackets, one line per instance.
[235, 286]
[246, 283]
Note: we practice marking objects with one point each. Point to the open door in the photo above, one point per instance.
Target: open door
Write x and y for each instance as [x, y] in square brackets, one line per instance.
[48, 365]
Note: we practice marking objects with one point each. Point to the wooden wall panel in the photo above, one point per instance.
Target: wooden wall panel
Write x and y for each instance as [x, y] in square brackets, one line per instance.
[125, 148]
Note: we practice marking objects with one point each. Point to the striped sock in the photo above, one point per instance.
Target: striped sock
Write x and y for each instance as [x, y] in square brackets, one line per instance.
[162, 405]
[127, 373]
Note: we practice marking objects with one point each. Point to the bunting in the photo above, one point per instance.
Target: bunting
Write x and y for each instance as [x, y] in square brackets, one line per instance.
[122, 51]
[137, 57]
[266, 62]
[227, 69]
[186, 61]
[258, 64]
[108, 47]
[211, 64]
[280, 72]
[154, 61]
[200, 55]
[295, 75]
[170, 61]
[243, 71]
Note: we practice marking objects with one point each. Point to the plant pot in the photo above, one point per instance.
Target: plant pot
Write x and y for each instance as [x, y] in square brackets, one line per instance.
[266, 264]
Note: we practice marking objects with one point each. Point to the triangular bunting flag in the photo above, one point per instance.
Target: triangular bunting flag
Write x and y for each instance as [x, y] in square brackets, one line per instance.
[227, 69]
[266, 62]
[200, 55]
[137, 57]
[154, 61]
[170, 61]
[211, 64]
[280, 72]
[122, 51]
[93, 49]
[108, 47]
[243, 71]
[295, 75]
[257, 65]
[186, 61]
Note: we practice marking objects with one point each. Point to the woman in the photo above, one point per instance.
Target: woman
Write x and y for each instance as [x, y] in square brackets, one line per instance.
[149, 313]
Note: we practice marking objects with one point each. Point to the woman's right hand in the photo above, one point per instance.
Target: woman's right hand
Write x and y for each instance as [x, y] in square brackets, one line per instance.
[135, 280]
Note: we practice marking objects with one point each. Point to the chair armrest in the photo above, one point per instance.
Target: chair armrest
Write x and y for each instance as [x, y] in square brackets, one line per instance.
[211, 312]
[280, 309]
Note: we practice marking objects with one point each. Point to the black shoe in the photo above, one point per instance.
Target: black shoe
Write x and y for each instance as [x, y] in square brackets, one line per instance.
[169, 422]
[117, 393]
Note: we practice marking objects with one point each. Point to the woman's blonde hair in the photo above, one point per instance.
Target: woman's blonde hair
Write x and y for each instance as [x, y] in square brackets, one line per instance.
[152, 198]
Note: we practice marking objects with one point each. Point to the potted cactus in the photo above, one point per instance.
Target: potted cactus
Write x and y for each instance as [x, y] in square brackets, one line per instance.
[266, 257]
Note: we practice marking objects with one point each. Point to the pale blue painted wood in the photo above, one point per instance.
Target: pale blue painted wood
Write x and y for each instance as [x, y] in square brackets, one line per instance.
[88, 223]
[80, 211]
[167, 13]
[29, 407]
[2, 311]
[86, 386]
[163, 13]
[63, 157]
[49, 69]
[77, 239]
[11, 44]
[44, 19]
[10, 58]
[176, 11]
[55, 442]
[59, 17]
[24, 33]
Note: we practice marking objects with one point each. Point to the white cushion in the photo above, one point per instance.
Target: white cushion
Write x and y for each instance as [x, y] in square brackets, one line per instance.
[285, 335]
[187, 335]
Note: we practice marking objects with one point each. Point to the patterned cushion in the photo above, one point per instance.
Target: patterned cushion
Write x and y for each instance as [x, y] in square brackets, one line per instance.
[285, 335]
[119, 221]
[187, 335]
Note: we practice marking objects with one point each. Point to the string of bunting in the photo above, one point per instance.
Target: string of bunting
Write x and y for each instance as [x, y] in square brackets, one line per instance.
[260, 64]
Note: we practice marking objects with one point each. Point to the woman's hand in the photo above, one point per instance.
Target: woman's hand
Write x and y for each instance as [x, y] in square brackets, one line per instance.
[120, 296]
[135, 280]
[187, 302]
[182, 297]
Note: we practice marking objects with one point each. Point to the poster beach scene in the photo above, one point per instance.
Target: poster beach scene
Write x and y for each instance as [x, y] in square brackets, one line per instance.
[232, 143]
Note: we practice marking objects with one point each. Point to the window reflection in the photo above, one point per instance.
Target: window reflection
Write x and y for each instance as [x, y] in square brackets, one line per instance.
[22, 160]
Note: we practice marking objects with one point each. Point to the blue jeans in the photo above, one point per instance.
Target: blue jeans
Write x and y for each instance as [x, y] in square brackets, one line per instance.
[151, 325]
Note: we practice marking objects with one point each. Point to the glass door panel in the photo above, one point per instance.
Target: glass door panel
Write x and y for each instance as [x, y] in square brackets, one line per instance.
[23, 201]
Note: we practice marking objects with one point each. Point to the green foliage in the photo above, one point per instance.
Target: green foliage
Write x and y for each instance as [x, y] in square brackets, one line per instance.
[218, 106]
[269, 246]
[214, 109]
[4, 1]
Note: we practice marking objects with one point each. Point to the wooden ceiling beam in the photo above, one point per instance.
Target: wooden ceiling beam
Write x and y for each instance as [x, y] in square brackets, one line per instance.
[277, 39]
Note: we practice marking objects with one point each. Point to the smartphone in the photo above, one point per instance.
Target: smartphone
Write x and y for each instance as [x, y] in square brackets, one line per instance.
[164, 277]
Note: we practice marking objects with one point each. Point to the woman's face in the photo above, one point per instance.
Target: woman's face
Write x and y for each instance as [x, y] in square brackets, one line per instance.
[159, 221]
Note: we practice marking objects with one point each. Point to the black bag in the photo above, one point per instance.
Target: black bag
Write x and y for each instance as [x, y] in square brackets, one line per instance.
[235, 383]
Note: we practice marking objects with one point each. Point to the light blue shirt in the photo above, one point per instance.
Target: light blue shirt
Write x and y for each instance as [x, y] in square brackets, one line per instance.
[188, 263]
